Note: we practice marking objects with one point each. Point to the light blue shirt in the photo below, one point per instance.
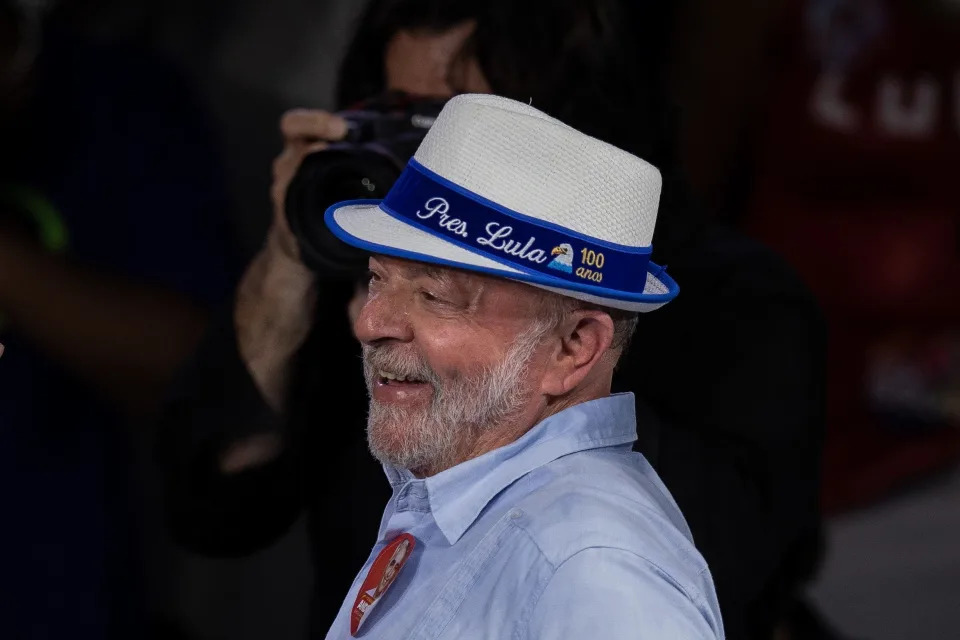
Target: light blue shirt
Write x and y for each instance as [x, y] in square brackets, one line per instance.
[564, 533]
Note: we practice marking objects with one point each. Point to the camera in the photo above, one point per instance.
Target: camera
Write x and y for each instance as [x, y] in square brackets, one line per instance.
[383, 134]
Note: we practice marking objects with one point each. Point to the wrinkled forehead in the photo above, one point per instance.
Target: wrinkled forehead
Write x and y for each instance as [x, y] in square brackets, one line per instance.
[509, 297]
[411, 270]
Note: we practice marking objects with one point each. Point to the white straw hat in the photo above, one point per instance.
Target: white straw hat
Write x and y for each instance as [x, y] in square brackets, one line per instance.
[501, 188]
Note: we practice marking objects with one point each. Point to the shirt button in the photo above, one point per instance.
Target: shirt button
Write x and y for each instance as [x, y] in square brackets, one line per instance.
[516, 514]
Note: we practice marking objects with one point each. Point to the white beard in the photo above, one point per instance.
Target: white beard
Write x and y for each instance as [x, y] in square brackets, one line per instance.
[460, 409]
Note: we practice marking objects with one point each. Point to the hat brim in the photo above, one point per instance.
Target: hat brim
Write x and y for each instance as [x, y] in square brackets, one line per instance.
[363, 224]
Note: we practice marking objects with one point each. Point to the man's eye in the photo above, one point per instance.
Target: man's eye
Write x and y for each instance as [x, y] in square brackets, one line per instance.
[373, 276]
[429, 297]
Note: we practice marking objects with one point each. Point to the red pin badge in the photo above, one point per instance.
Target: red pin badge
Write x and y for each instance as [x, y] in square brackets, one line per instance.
[382, 573]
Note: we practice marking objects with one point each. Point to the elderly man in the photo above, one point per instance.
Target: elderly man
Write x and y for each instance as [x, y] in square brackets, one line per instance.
[514, 485]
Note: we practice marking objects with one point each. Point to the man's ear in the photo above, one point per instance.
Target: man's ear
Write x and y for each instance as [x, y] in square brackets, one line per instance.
[585, 336]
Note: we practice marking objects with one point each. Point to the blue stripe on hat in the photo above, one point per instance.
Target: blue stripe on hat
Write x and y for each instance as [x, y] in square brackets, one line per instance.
[437, 206]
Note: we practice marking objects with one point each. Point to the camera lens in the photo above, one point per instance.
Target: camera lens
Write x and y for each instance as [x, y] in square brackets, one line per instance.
[325, 178]
[384, 133]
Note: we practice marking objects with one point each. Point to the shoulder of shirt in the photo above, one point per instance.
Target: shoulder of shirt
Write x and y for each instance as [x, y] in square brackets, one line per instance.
[612, 499]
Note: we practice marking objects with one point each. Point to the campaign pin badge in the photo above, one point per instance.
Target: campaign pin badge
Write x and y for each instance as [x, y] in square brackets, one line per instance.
[382, 573]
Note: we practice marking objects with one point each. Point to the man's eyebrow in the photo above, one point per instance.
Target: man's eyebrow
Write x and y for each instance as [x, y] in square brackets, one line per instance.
[445, 277]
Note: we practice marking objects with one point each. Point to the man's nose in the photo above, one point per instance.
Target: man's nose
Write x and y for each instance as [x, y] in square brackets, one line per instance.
[384, 317]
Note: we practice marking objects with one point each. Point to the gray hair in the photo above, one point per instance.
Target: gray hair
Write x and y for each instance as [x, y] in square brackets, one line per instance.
[556, 308]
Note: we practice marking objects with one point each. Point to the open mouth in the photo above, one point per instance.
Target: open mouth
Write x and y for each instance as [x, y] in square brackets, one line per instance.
[393, 379]
[401, 390]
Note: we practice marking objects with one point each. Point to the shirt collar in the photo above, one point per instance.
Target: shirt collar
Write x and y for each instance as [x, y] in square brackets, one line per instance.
[459, 494]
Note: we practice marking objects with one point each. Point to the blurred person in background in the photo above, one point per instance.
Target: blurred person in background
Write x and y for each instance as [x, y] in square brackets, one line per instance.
[849, 113]
[112, 250]
[256, 432]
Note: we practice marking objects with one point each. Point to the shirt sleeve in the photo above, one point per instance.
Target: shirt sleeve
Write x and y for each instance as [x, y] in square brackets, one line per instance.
[214, 403]
[614, 594]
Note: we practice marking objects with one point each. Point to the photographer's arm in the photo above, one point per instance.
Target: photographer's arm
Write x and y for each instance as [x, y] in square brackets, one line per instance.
[276, 297]
[274, 313]
[214, 408]
[233, 478]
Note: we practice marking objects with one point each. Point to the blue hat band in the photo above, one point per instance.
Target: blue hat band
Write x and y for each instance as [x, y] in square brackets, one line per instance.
[437, 206]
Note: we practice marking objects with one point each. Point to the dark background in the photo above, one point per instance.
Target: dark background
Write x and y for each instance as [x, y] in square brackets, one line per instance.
[853, 185]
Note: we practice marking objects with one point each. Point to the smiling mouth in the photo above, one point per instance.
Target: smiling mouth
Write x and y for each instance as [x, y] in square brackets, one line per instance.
[393, 379]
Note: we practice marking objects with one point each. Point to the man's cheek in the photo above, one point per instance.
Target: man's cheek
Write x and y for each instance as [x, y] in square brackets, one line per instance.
[360, 294]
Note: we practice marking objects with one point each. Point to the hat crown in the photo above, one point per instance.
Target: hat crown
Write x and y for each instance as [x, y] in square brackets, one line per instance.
[527, 161]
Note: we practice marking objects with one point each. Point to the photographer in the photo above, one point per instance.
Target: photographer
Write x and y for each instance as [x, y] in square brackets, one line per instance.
[269, 420]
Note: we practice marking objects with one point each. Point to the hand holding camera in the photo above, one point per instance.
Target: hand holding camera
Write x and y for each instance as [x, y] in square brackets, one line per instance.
[376, 139]
[304, 131]
[327, 158]
[276, 296]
